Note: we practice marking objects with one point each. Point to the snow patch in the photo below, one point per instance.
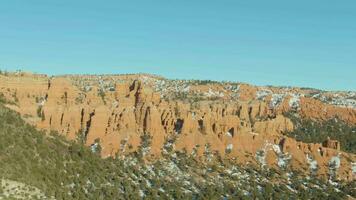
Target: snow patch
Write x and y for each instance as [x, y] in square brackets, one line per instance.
[353, 167]
[94, 147]
[334, 165]
[335, 162]
[212, 93]
[313, 164]
[276, 100]
[276, 148]
[261, 157]
[294, 101]
[261, 94]
[282, 159]
[229, 147]
[141, 193]
[228, 134]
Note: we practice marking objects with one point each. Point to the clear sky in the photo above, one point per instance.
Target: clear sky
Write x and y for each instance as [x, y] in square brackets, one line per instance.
[298, 43]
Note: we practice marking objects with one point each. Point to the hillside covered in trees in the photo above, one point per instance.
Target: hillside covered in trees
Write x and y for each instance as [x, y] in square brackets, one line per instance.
[312, 131]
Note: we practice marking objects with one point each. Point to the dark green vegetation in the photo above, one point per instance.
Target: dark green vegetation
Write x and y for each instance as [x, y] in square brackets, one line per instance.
[3, 100]
[310, 131]
[68, 170]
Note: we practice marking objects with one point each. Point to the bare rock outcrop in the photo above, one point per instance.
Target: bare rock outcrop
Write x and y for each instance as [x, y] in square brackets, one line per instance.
[119, 110]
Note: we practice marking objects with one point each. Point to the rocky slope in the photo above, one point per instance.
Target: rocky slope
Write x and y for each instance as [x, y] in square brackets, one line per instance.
[39, 166]
[238, 121]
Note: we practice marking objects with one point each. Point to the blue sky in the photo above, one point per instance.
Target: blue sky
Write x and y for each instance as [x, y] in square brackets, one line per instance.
[276, 42]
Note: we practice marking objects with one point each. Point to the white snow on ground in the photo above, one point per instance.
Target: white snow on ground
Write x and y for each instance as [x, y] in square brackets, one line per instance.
[261, 157]
[229, 147]
[333, 183]
[294, 101]
[212, 93]
[141, 193]
[261, 154]
[291, 189]
[349, 103]
[276, 100]
[334, 165]
[261, 94]
[186, 89]
[353, 167]
[347, 99]
[94, 147]
[276, 148]
[232, 88]
[313, 164]
[228, 134]
[282, 159]
[335, 160]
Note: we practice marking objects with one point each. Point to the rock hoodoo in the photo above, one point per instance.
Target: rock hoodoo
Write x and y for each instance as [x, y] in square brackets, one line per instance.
[235, 120]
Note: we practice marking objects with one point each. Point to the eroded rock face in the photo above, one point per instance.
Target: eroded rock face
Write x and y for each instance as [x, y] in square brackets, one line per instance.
[333, 144]
[236, 121]
[315, 109]
[275, 126]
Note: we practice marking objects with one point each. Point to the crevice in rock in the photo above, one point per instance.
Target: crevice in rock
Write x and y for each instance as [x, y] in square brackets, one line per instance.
[238, 112]
[68, 129]
[88, 125]
[65, 97]
[321, 151]
[201, 124]
[109, 122]
[232, 132]
[81, 118]
[115, 119]
[214, 128]
[250, 115]
[49, 84]
[282, 144]
[133, 85]
[178, 125]
[62, 119]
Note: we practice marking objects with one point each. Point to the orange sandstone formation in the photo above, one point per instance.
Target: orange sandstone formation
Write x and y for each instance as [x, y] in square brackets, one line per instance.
[236, 120]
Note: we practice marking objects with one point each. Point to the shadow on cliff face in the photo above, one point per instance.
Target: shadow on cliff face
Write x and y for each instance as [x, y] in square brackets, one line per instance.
[178, 125]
